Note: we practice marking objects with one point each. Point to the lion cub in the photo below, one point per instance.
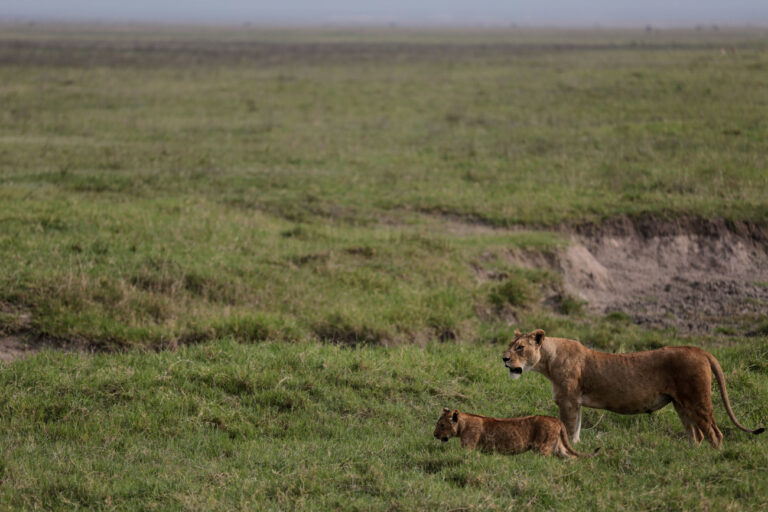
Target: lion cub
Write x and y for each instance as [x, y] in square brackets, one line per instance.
[544, 434]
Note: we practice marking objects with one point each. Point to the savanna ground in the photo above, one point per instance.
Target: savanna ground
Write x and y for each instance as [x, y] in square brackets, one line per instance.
[272, 257]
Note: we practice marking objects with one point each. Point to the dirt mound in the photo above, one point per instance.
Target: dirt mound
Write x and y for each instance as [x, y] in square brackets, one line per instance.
[693, 274]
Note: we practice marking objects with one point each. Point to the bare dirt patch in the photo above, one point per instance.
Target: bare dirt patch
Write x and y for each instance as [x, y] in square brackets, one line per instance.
[13, 347]
[692, 274]
[18, 339]
[696, 275]
[21, 345]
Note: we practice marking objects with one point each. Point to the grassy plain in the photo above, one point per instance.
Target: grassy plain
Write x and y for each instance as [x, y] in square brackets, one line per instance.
[162, 187]
[202, 190]
[276, 426]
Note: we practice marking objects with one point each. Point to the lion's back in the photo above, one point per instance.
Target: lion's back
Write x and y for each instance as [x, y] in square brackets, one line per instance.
[516, 435]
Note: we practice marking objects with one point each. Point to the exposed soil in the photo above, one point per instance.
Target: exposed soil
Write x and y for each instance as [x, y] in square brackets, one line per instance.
[13, 347]
[23, 344]
[19, 339]
[692, 274]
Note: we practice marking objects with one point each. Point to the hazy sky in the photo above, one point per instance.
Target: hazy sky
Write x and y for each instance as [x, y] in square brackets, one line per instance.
[501, 12]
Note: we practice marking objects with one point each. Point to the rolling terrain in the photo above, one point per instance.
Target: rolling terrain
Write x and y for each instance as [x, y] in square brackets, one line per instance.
[246, 268]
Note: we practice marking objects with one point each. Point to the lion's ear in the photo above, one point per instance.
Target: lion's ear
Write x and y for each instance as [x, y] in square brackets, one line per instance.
[538, 336]
[517, 333]
[445, 410]
[455, 416]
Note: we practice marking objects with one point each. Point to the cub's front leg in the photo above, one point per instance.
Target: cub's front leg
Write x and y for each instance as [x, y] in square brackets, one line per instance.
[470, 440]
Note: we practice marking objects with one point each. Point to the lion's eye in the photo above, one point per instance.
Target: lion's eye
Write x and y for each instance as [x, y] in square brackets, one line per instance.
[519, 349]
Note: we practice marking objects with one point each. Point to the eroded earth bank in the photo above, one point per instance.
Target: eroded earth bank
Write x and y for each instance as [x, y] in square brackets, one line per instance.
[696, 275]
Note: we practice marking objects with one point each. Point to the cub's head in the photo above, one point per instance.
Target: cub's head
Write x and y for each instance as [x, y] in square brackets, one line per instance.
[448, 425]
[524, 352]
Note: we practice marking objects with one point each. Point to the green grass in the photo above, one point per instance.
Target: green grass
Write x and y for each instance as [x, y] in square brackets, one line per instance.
[322, 227]
[275, 426]
[158, 188]
[163, 271]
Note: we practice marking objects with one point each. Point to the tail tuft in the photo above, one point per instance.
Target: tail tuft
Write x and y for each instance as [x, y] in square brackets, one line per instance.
[596, 450]
[759, 430]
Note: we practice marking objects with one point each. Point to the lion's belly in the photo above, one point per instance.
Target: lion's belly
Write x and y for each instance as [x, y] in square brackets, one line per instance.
[626, 405]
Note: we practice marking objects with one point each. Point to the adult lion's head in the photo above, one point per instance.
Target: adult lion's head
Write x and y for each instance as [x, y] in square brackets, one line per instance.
[524, 352]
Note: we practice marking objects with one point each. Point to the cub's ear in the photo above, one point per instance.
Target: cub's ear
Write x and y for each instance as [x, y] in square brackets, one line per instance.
[517, 333]
[538, 336]
[455, 417]
[445, 410]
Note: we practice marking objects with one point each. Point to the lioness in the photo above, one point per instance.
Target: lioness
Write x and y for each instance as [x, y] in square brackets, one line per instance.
[544, 434]
[624, 383]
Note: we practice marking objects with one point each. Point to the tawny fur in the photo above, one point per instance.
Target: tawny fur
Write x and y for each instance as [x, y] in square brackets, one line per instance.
[544, 434]
[639, 382]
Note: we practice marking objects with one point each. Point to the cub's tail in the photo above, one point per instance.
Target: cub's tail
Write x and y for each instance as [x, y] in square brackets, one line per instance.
[569, 448]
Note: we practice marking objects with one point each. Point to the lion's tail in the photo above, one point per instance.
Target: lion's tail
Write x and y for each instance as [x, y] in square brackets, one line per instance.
[718, 371]
[569, 448]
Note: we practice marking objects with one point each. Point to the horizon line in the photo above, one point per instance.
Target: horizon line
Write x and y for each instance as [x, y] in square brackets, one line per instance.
[383, 24]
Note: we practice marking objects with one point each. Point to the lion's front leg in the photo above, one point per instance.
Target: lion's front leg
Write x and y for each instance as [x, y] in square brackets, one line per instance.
[570, 415]
[470, 440]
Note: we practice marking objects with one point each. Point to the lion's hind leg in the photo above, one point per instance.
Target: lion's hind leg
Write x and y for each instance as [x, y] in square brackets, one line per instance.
[556, 439]
[718, 435]
[560, 450]
[709, 428]
[547, 449]
[545, 440]
[694, 435]
[553, 446]
[705, 421]
[699, 422]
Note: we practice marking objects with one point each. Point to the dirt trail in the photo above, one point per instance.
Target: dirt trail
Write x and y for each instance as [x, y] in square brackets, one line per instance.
[689, 273]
